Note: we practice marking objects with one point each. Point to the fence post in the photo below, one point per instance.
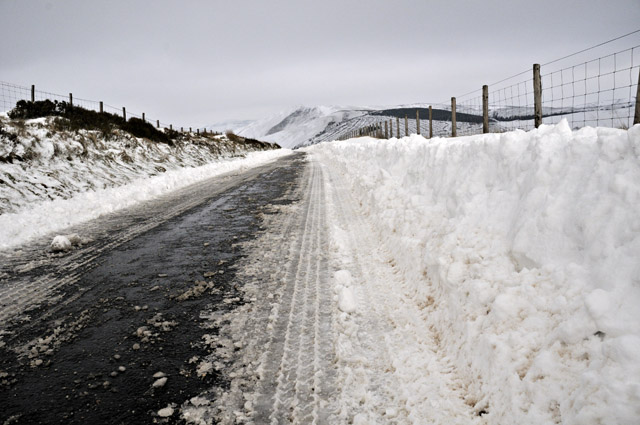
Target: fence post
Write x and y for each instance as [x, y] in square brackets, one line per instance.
[453, 117]
[418, 120]
[181, 129]
[485, 109]
[430, 122]
[158, 123]
[101, 107]
[636, 117]
[386, 130]
[33, 93]
[197, 131]
[398, 127]
[406, 126]
[143, 118]
[171, 127]
[71, 100]
[124, 113]
[537, 95]
[189, 130]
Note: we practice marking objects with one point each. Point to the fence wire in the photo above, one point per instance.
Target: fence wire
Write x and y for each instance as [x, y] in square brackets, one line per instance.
[597, 92]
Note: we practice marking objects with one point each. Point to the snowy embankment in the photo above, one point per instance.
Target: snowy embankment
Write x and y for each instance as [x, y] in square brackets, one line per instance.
[50, 180]
[522, 251]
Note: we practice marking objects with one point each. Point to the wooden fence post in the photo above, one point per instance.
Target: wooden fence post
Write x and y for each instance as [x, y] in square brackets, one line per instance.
[181, 129]
[636, 117]
[158, 123]
[101, 107]
[453, 117]
[143, 118]
[189, 130]
[171, 127]
[386, 130]
[398, 127]
[406, 126]
[430, 122]
[418, 120]
[33, 93]
[124, 113]
[197, 131]
[537, 95]
[71, 100]
[485, 109]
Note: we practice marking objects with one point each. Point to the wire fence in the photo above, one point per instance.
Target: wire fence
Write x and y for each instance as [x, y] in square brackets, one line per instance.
[597, 92]
[11, 94]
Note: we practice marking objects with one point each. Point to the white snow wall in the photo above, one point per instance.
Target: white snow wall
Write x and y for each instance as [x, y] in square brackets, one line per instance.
[523, 249]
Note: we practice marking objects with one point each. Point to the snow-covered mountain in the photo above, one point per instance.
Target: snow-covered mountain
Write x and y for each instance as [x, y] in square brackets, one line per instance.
[301, 125]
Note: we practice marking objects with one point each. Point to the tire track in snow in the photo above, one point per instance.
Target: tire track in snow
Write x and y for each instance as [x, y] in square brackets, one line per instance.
[391, 352]
[286, 370]
[298, 366]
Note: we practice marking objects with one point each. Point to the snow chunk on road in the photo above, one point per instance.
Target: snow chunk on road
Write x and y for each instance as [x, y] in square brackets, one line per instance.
[159, 383]
[346, 300]
[166, 412]
[62, 243]
[343, 277]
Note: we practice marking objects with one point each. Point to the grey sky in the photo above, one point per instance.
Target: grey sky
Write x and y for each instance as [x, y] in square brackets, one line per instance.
[193, 63]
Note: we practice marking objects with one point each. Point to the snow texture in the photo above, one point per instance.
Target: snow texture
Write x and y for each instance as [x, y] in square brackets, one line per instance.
[516, 256]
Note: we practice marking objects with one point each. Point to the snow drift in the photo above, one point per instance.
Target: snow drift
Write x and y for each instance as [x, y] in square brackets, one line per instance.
[522, 249]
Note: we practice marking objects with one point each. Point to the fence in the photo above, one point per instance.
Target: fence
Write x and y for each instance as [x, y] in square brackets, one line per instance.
[10, 94]
[600, 91]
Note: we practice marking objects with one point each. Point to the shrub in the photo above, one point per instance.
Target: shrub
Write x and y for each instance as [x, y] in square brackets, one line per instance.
[140, 128]
[78, 118]
[233, 137]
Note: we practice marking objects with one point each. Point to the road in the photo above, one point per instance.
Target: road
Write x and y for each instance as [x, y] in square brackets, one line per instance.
[83, 333]
[258, 297]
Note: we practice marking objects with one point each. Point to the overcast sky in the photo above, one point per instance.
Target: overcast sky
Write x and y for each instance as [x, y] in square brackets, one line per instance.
[195, 63]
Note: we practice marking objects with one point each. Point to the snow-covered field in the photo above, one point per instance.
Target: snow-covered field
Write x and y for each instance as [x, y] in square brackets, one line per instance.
[59, 179]
[515, 275]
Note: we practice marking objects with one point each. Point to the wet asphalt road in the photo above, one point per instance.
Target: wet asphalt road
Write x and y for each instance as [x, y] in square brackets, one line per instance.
[130, 305]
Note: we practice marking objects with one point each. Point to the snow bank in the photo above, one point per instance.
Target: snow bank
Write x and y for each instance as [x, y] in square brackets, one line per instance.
[38, 161]
[522, 250]
[44, 217]
[61, 180]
